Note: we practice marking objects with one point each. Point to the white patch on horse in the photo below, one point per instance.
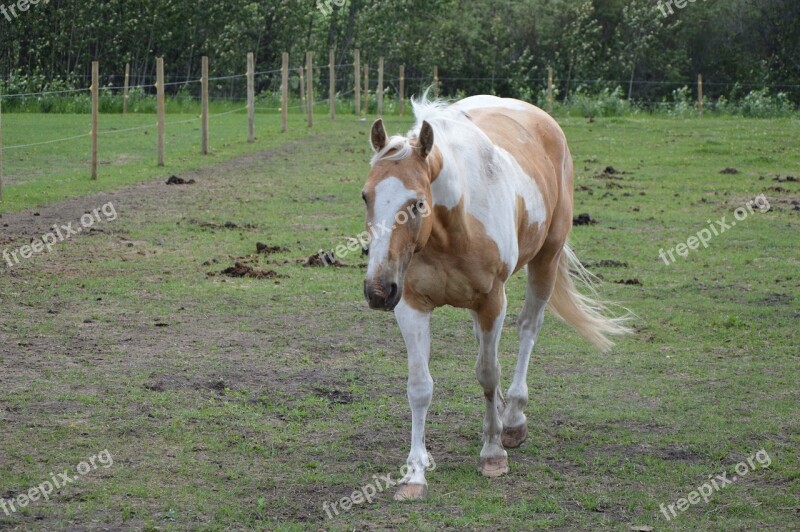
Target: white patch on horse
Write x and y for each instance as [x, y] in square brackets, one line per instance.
[390, 195]
[527, 188]
[482, 101]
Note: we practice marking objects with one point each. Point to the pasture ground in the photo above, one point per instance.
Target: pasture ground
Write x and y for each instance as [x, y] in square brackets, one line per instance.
[245, 403]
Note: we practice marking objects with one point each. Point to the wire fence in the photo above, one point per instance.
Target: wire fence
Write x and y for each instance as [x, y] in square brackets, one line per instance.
[361, 89]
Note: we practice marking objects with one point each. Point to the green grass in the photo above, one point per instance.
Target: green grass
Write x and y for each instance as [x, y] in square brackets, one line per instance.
[127, 149]
[247, 403]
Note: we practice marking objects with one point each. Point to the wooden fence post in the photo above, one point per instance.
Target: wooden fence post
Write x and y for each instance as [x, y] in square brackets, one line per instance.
[251, 97]
[160, 105]
[125, 88]
[357, 87]
[379, 91]
[332, 83]
[700, 94]
[366, 88]
[549, 89]
[284, 91]
[402, 89]
[204, 109]
[310, 87]
[435, 81]
[1, 146]
[302, 91]
[95, 112]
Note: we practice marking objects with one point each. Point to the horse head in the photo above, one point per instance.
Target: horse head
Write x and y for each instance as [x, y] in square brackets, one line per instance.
[399, 206]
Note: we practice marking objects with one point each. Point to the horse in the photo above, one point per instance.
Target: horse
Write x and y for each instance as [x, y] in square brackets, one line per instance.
[476, 191]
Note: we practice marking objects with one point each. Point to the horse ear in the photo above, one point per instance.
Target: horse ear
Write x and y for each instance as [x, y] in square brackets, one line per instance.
[378, 136]
[425, 139]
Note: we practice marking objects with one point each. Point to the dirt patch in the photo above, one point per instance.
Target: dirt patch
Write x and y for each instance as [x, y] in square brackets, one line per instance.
[609, 172]
[226, 225]
[778, 299]
[264, 249]
[175, 180]
[326, 197]
[672, 453]
[729, 171]
[788, 178]
[631, 282]
[605, 263]
[323, 258]
[335, 397]
[243, 270]
[583, 219]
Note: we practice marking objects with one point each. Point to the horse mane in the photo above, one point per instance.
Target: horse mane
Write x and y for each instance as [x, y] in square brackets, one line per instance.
[440, 114]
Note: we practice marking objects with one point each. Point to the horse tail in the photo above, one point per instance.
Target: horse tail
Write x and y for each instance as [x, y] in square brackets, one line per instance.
[585, 313]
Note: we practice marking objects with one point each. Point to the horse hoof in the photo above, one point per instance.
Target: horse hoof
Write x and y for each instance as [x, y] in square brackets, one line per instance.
[514, 436]
[494, 467]
[411, 492]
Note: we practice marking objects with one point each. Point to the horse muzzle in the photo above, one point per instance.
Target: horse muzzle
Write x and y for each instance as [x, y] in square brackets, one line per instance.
[382, 295]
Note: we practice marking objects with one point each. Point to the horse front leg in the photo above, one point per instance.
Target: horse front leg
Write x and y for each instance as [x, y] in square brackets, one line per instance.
[415, 327]
[488, 322]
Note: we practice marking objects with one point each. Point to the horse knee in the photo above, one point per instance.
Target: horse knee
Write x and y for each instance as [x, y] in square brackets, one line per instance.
[488, 376]
[420, 391]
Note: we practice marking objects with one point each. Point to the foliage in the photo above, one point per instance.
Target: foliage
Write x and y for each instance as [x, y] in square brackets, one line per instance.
[482, 46]
[606, 103]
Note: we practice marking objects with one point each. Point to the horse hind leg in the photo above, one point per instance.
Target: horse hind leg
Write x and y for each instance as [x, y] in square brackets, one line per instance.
[541, 280]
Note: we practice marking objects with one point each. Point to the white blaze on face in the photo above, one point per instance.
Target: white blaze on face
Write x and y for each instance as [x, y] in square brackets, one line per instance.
[390, 196]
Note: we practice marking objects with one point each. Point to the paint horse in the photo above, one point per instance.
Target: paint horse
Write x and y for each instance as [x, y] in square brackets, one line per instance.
[475, 192]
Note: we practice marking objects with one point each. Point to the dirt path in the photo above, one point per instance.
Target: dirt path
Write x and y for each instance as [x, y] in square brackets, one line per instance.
[18, 228]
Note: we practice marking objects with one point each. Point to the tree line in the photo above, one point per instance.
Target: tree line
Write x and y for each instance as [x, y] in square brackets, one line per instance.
[648, 48]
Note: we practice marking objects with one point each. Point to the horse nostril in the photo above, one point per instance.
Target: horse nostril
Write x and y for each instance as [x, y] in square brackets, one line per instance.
[392, 291]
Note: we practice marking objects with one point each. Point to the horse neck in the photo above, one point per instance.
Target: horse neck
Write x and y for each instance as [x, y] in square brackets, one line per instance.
[450, 222]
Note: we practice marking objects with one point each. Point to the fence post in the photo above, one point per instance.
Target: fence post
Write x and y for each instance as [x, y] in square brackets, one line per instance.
[1, 147]
[125, 88]
[402, 89]
[310, 87]
[302, 91]
[332, 83]
[357, 87]
[95, 112]
[251, 97]
[379, 91]
[160, 105]
[204, 109]
[284, 91]
[366, 88]
[550, 89]
[700, 94]
[435, 81]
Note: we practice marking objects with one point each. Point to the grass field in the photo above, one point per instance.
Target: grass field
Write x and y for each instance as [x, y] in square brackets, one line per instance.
[242, 403]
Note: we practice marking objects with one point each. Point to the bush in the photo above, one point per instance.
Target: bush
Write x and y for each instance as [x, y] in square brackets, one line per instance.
[759, 104]
[606, 103]
[682, 105]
